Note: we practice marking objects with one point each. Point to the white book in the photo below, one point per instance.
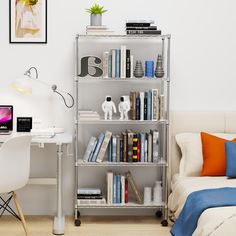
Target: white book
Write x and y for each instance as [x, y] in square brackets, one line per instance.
[150, 153]
[104, 146]
[95, 27]
[131, 66]
[105, 64]
[109, 187]
[91, 201]
[123, 61]
[122, 189]
[141, 95]
[162, 107]
[89, 191]
[89, 149]
[113, 63]
[155, 105]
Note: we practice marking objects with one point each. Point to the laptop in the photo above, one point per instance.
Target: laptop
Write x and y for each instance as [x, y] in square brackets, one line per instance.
[6, 119]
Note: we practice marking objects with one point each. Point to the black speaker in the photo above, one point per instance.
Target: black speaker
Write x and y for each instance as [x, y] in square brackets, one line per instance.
[24, 124]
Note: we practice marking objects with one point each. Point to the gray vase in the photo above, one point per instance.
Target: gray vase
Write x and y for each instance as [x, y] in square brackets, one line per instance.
[96, 19]
[159, 71]
[138, 71]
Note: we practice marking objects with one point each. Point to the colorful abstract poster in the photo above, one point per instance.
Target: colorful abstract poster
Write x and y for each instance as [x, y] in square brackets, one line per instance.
[28, 21]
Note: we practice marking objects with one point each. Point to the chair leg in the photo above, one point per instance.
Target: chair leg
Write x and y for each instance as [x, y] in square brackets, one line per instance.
[20, 214]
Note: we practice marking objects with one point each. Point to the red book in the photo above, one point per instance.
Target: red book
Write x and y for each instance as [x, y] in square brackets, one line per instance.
[126, 191]
[139, 146]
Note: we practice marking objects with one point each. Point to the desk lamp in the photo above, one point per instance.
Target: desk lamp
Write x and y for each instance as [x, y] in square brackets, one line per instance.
[23, 85]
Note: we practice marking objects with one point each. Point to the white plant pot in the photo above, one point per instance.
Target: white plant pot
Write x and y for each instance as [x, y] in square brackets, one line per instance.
[96, 19]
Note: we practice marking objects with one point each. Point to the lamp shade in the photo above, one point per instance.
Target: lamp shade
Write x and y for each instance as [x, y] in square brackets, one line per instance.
[23, 84]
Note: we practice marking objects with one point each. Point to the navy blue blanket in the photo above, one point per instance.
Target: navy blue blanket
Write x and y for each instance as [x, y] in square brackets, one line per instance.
[196, 203]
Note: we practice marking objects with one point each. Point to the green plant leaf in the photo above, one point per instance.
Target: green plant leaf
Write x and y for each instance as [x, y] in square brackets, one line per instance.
[96, 9]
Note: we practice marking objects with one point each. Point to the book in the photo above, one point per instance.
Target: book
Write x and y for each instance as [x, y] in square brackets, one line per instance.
[104, 145]
[137, 116]
[126, 191]
[137, 24]
[89, 191]
[130, 146]
[113, 70]
[155, 104]
[149, 105]
[162, 107]
[145, 106]
[110, 66]
[91, 201]
[123, 61]
[89, 149]
[125, 143]
[146, 148]
[156, 32]
[110, 150]
[135, 147]
[92, 152]
[140, 21]
[134, 187]
[113, 148]
[114, 189]
[121, 149]
[127, 63]
[109, 187]
[155, 137]
[131, 66]
[141, 28]
[105, 64]
[118, 190]
[117, 148]
[89, 196]
[142, 147]
[117, 63]
[98, 146]
[150, 153]
[96, 27]
[133, 105]
[122, 189]
[139, 148]
[141, 96]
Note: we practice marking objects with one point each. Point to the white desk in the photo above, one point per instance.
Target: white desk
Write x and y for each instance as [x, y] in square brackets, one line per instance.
[59, 140]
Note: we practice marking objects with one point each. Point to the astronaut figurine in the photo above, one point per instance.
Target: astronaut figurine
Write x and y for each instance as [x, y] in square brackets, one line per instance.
[108, 106]
[124, 107]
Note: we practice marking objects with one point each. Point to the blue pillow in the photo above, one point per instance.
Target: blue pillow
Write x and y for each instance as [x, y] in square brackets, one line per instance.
[230, 148]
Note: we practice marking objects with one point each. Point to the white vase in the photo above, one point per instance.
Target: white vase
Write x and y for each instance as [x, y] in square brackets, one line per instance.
[96, 19]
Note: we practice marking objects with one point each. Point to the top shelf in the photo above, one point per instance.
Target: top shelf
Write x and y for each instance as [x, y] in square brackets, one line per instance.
[124, 36]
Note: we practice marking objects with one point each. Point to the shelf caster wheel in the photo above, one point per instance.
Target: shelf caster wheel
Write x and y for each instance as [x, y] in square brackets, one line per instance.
[164, 223]
[159, 214]
[77, 222]
[78, 214]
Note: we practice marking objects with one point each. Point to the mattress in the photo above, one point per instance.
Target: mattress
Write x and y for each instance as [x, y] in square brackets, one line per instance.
[213, 221]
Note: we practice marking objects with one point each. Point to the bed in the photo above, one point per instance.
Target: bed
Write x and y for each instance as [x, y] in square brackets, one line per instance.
[213, 221]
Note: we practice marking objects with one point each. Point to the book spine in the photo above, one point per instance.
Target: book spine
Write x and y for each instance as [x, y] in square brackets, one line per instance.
[109, 187]
[110, 151]
[145, 106]
[103, 148]
[118, 189]
[149, 105]
[142, 28]
[142, 137]
[134, 187]
[127, 63]
[114, 189]
[89, 197]
[133, 24]
[122, 189]
[117, 148]
[99, 144]
[130, 147]
[146, 148]
[89, 191]
[139, 148]
[126, 191]
[110, 66]
[125, 143]
[135, 147]
[131, 66]
[113, 70]
[121, 150]
[150, 147]
[141, 95]
[137, 107]
[158, 32]
[89, 149]
[105, 64]
[133, 105]
[162, 107]
[155, 105]
[123, 61]
[113, 148]
[155, 137]
[117, 63]
[93, 150]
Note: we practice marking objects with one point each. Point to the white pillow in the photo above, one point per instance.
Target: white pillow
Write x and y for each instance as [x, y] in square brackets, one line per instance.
[191, 149]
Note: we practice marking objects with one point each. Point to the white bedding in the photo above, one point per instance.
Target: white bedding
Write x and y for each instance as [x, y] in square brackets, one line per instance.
[213, 221]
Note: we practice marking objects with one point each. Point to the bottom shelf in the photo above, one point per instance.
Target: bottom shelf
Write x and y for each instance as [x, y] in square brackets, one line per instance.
[126, 205]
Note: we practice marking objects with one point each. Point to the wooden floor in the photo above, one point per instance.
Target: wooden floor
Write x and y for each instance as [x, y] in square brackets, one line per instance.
[91, 226]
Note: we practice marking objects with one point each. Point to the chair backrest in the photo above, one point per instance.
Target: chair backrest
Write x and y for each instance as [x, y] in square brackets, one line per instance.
[14, 163]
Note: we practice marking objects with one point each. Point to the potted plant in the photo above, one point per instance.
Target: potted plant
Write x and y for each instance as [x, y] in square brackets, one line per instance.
[96, 12]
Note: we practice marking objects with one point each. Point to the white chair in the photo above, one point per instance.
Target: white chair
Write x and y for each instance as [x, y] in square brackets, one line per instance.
[14, 172]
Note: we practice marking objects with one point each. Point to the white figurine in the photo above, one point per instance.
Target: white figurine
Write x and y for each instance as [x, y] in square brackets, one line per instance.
[108, 106]
[124, 107]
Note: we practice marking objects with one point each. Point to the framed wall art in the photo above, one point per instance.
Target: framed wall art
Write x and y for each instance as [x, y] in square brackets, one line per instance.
[28, 21]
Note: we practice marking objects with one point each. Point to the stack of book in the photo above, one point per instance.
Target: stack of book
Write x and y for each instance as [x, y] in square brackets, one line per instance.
[117, 188]
[118, 63]
[147, 105]
[90, 196]
[98, 30]
[90, 115]
[141, 27]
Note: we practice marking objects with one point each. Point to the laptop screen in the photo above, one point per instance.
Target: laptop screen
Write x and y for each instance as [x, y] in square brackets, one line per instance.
[6, 118]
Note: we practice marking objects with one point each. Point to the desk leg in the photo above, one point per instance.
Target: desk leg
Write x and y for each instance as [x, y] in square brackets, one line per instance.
[59, 219]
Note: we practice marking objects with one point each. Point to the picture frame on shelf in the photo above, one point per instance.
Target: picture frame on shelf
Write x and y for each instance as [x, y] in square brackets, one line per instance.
[28, 21]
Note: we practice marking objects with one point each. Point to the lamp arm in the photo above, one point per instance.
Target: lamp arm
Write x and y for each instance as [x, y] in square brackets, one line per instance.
[28, 72]
[73, 101]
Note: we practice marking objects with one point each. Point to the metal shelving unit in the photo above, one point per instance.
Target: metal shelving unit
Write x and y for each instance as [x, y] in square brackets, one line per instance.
[162, 165]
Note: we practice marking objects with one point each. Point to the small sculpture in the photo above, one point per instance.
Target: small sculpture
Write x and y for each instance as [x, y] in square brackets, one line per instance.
[138, 71]
[159, 71]
[108, 106]
[124, 107]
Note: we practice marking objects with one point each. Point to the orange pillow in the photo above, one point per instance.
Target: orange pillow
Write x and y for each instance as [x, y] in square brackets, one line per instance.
[214, 157]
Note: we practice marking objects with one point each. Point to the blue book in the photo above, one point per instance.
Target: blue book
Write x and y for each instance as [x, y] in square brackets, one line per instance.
[142, 151]
[149, 105]
[114, 189]
[118, 189]
[110, 151]
[110, 66]
[98, 146]
[138, 108]
[117, 63]
[113, 148]
[121, 150]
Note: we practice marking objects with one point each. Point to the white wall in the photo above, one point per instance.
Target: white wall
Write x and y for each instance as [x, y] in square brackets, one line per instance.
[203, 77]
